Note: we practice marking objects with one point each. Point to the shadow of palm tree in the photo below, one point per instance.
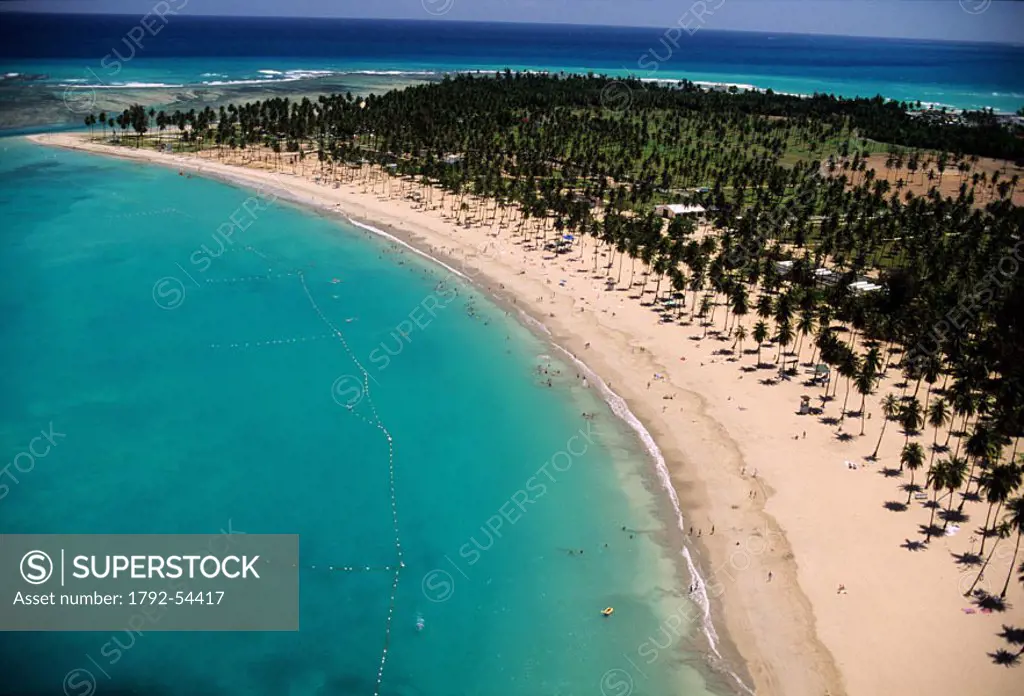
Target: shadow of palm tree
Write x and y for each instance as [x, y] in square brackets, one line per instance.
[984, 600]
[986, 532]
[894, 506]
[844, 437]
[829, 420]
[1005, 658]
[954, 516]
[971, 497]
[932, 531]
[889, 472]
[1013, 635]
[967, 558]
[913, 545]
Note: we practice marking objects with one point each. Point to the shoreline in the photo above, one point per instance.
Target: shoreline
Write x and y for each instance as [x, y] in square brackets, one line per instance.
[802, 520]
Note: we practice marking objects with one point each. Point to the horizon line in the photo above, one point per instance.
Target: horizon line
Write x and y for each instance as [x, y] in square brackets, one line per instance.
[518, 23]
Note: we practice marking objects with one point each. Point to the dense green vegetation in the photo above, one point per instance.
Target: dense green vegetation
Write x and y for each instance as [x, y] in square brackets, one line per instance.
[788, 192]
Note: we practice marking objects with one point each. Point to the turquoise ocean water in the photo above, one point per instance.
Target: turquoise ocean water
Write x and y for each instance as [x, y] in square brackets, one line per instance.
[199, 388]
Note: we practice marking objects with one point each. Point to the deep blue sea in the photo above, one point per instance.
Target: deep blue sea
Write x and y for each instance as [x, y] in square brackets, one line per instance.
[104, 52]
[204, 387]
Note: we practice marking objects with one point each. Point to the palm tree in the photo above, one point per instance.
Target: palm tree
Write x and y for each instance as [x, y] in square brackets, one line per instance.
[1015, 518]
[760, 336]
[981, 449]
[784, 336]
[956, 475]
[739, 333]
[910, 419]
[939, 478]
[849, 366]
[912, 457]
[805, 325]
[1001, 531]
[865, 384]
[938, 417]
[999, 483]
[890, 409]
[739, 300]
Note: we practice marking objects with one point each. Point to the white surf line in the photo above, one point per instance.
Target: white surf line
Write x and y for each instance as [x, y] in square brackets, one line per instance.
[396, 240]
[379, 424]
[621, 409]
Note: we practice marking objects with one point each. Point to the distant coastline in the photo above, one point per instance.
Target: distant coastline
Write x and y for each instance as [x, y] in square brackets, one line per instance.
[56, 68]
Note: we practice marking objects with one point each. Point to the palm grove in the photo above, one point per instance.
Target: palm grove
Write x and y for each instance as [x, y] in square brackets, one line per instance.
[789, 192]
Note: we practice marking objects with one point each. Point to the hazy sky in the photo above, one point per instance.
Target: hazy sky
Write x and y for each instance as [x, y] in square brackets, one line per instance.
[971, 20]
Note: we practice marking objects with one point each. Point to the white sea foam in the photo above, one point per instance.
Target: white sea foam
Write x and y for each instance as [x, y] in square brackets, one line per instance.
[121, 85]
[400, 73]
[396, 240]
[226, 83]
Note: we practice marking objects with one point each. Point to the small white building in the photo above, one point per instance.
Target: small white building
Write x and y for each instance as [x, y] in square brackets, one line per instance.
[826, 276]
[675, 209]
[783, 267]
[862, 287]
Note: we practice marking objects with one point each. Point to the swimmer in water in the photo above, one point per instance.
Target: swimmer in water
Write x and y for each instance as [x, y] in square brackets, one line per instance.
[420, 623]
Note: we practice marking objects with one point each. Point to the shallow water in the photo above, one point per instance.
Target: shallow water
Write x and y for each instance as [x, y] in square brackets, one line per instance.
[201, 389]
